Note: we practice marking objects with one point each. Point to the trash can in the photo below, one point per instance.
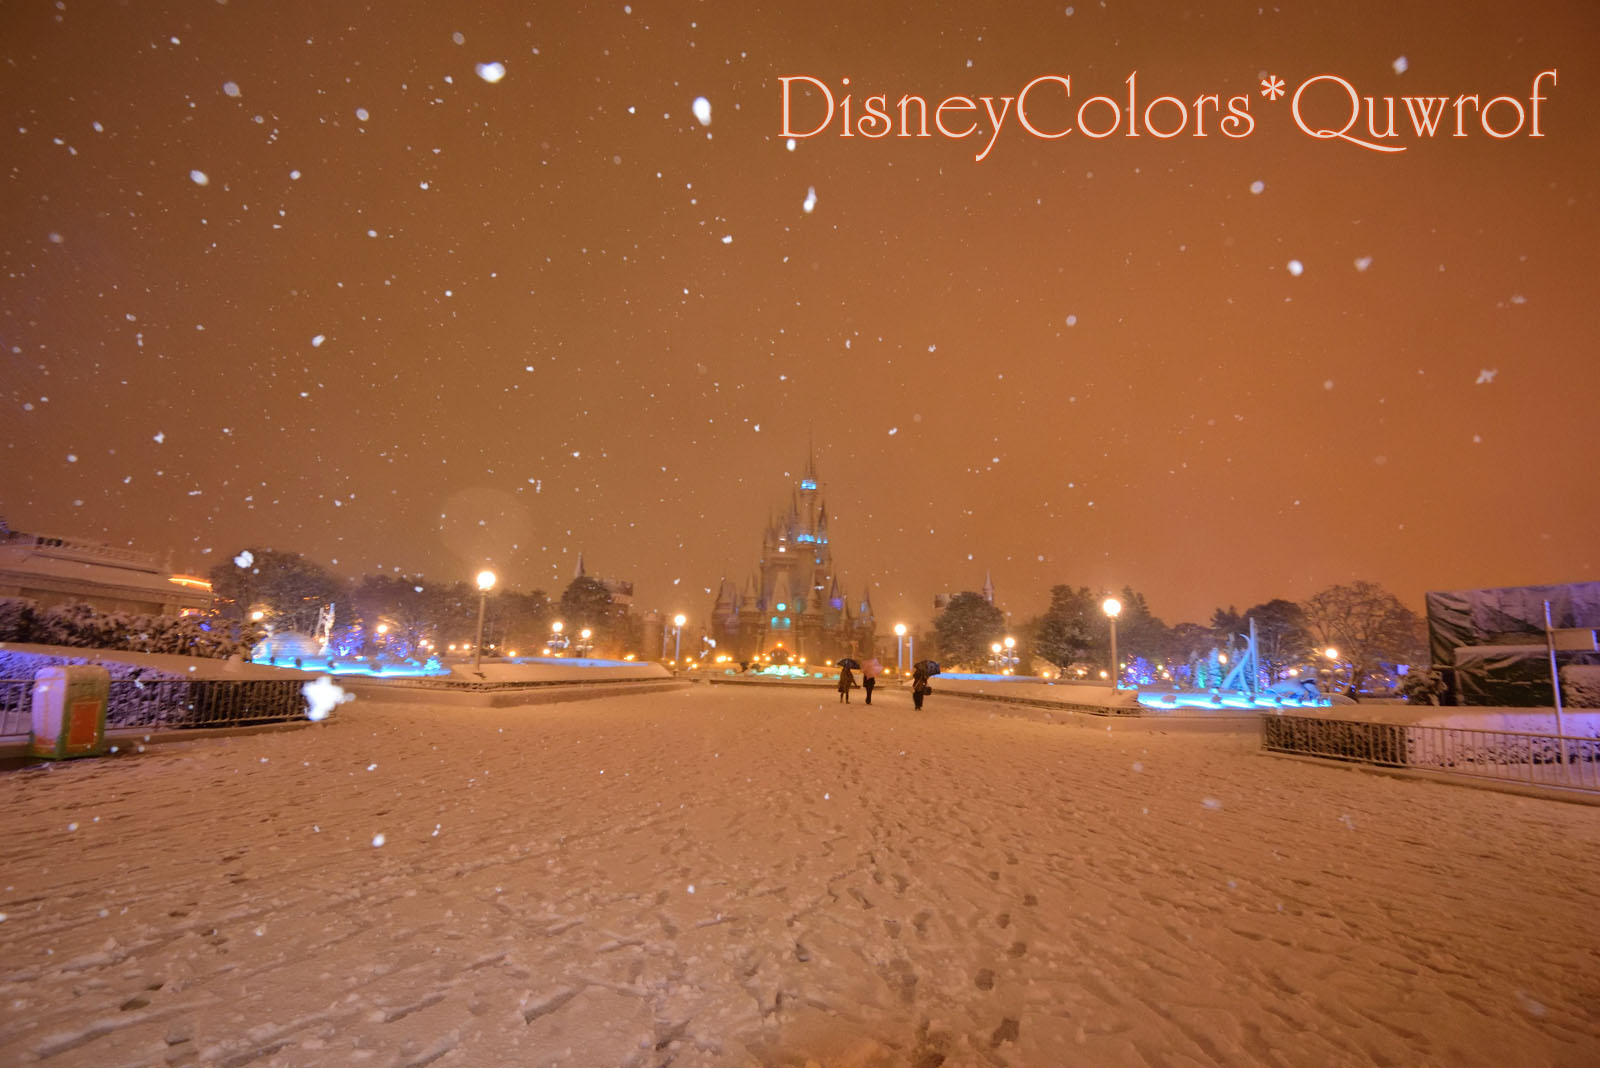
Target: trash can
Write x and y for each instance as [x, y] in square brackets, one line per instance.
[69, 711]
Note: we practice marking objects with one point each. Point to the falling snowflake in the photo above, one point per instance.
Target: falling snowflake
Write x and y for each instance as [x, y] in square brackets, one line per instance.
[322, 696]
[199, 177]
[1486, 376]
[491, 72]
[702, 110]
[811, 200]
[1296, 268]
[1258, 187]
[230, 89]
[1400, 64]
[244, 559]
[1363, 262]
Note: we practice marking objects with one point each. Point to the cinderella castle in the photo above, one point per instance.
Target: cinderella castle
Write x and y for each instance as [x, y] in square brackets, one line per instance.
[793, 606]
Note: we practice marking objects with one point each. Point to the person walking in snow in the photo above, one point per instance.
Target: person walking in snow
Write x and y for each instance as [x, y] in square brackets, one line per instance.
[919, 687]
[847, 682]
[869, 676]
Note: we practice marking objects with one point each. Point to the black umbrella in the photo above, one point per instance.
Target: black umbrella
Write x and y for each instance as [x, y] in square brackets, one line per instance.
[853, 665]
[927, 667]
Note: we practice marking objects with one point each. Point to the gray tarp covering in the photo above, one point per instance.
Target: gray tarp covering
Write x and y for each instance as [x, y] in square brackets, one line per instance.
[1509, 615]
[1495, 639]
[1512, 676]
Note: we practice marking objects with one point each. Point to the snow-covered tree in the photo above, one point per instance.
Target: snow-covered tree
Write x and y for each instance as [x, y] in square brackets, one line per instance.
[1067, 631]
[290, 588]
[967, 627]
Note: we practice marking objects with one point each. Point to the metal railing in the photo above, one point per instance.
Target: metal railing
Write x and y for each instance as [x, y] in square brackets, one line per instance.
[1501, 756]
[169, 704]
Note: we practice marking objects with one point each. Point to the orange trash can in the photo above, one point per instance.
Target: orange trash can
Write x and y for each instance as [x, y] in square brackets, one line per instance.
[69, 711]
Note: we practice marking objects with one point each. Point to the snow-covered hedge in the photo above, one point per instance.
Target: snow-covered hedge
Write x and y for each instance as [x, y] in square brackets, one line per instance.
[83, 627]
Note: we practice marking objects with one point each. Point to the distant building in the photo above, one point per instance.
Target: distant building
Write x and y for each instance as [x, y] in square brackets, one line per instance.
[621, 590]
[793, 605]
[54, 571]
[941, 601]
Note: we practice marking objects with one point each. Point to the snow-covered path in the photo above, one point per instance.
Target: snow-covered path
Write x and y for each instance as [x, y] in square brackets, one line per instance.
[740, 876]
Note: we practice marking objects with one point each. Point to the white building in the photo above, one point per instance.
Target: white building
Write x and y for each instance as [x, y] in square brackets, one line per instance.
[51, 571]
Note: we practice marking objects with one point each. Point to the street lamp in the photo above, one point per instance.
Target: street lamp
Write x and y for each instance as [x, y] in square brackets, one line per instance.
[995, 658]
[899, 648]
[677, 637]
[1011, 658]
[1113, 608]
[485, 584]
[583, 641]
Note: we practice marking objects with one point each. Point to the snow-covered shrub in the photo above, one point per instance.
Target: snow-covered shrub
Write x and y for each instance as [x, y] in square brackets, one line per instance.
[1421, 686]
[16, 619]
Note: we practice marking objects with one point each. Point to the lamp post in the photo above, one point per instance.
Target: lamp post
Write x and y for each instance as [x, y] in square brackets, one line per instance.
[994, 656]
[557, 642]
[1010, 655]
[899, 648]
[677, 638]
[584, 645]
[1113, 608]
[485, 584]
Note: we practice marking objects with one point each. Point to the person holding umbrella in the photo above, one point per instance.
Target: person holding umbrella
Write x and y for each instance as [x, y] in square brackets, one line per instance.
[847, 679]
[869, 676]
[921, 671]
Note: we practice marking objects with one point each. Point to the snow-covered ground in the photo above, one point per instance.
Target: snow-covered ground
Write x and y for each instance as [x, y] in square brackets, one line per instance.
[762, 876]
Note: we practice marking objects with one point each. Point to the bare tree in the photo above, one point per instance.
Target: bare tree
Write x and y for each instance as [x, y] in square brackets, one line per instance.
[1368, 626]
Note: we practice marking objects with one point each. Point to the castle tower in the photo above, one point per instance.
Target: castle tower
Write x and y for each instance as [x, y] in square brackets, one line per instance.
[795, 597]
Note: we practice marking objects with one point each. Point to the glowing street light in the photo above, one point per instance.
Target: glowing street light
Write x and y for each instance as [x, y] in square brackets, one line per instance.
[677, 636]
[1113, 608]
[583, 641]
[485, 584]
